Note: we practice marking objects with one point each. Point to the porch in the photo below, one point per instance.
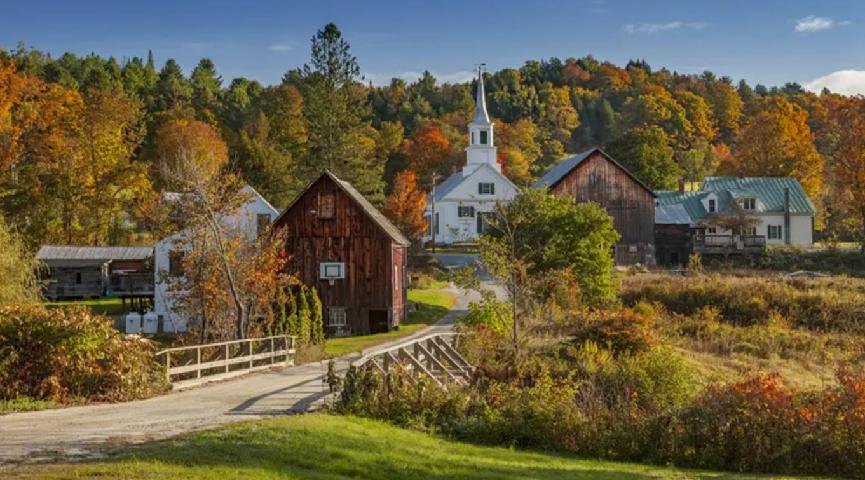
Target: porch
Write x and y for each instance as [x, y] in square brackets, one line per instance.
[728, 244]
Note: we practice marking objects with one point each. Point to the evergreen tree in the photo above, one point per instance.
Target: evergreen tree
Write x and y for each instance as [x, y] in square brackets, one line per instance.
[336, 110]
[304, 317]
[316, 334]
[206, 85]
[291, 321]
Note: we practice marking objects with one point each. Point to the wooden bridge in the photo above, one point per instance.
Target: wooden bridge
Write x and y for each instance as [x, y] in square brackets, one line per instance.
[434, 357]
[196, 364]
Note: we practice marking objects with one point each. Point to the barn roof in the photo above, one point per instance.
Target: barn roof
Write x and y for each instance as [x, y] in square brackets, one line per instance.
[373, 213]
[104, 254]
[565, 167]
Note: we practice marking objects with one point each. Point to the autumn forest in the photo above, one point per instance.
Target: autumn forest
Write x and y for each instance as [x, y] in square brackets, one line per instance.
[80, 136]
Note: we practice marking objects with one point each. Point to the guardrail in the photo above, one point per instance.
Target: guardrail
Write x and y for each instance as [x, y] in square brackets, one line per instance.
[432, 356]
[196, 364]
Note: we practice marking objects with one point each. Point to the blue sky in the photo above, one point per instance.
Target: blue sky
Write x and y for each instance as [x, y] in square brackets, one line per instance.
[769, 41]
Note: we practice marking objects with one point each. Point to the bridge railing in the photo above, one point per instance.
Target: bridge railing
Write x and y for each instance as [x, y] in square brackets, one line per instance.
[432, 356]
[196, 364]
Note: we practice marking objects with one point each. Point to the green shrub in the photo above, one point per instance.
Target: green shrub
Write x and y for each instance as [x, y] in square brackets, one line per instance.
[495, 315]
[316, 324]
[67, 353]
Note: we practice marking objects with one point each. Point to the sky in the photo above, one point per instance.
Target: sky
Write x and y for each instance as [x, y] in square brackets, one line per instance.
[815, 43]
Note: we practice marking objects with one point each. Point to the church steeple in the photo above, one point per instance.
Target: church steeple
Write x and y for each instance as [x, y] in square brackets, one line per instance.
[481, 115]
[481, 149]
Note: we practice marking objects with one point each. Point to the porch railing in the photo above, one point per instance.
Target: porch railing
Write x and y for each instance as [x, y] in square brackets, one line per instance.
[196, 364]
[729, 242]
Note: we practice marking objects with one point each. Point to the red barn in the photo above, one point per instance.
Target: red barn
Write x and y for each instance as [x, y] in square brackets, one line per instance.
[343, 246]
[594, 176]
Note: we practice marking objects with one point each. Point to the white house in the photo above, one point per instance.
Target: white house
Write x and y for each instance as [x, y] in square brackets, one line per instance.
[252, 217]
[456, 207]
[784, 213]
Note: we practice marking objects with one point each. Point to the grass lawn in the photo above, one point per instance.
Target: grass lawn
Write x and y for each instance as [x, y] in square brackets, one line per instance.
[333, 447]
[431, 304]
[25, 404]
[102, 306]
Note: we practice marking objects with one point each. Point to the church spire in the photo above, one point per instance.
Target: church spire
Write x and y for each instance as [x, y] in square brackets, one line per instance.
[481, 115]
[482, 147]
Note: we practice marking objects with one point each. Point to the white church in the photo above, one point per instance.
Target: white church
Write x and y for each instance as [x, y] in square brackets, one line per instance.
[456, 207]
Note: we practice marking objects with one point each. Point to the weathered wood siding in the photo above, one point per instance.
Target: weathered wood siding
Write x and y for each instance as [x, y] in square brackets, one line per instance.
[596, 179]
[672, 244]
[351, 237]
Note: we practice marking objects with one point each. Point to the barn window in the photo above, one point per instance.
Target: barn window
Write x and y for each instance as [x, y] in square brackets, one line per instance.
[465, 212]
[78, 278]
[326, 205]
[262, 221]
[336, 317]
[486, 188]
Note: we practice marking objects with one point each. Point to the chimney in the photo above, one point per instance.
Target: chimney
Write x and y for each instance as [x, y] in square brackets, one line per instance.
[681, 184]
[787, 215]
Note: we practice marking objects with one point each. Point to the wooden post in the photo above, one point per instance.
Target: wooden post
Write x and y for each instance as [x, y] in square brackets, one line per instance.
[226, 358]
[272, 350]
[198, 361]
[168, 366]
[249, 342]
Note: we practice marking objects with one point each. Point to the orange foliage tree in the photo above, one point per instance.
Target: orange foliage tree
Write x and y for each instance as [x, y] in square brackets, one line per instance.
[428, 151]
[406, 204]
[848, 163]
[777, 142]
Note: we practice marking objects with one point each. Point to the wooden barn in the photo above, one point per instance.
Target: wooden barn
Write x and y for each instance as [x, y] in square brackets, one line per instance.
[594, 176]
[342, 245]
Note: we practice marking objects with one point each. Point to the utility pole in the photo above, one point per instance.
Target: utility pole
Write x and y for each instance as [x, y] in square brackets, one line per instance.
[432, 217]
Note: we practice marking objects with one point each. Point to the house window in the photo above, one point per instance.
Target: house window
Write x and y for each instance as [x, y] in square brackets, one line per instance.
[434, 225]
[336, 317]
[749, 204]
[751, 231]
[262, 221]
[484, 139]
[486, 188]
[711, 231]
[775, 232]
[465, 212]
[331, 270]
[482, 223]
[175, 263]
[712, 205]
[326, 206]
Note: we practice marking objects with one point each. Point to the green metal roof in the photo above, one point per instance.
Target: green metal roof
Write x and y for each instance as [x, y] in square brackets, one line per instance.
[767, 191]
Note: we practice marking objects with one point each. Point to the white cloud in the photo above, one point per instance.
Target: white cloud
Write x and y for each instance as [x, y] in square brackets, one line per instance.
[280, 47]
[846, 82]
[811, 24]
[460, 76]
[632, 29]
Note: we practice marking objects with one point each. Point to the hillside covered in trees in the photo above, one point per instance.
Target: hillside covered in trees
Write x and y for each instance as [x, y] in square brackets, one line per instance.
[80, 136]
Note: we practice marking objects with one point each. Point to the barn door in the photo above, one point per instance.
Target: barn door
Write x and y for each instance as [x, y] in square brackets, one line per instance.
[378, 321]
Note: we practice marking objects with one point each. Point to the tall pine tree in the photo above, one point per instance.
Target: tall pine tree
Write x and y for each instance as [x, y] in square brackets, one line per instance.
[341, 137]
